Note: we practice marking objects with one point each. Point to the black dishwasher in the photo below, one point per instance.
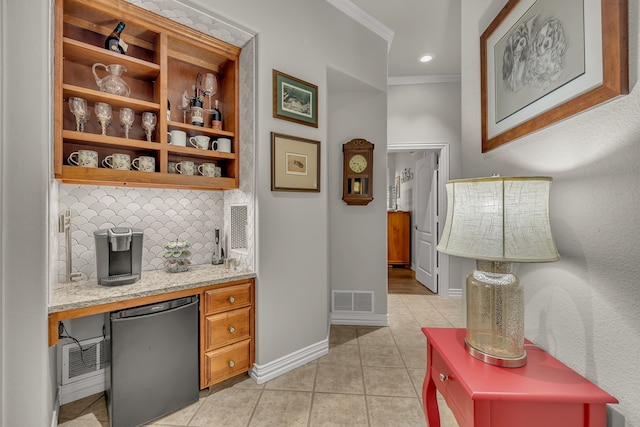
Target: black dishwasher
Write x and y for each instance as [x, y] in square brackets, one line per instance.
[153, 367]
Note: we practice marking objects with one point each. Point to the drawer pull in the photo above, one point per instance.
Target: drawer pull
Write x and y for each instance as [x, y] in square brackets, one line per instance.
[232, 299]
[444, 377]
[232, 330]
[231, 363]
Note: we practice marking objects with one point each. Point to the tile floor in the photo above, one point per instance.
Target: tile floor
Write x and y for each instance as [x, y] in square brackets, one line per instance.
[371, 377]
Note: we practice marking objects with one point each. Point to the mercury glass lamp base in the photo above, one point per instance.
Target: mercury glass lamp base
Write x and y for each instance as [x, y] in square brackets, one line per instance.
[503, 362]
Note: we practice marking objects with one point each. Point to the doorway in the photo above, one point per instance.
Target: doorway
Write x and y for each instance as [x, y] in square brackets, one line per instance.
[435, 263]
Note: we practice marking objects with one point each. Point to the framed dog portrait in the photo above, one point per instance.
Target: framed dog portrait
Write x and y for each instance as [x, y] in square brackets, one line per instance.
[294, 99]
[295, 163]
[545, 60]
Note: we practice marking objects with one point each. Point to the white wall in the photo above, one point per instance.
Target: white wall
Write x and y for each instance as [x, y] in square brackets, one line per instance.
[584, 308]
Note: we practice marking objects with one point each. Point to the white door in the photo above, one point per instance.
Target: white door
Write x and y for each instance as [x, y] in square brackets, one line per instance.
[425, 229]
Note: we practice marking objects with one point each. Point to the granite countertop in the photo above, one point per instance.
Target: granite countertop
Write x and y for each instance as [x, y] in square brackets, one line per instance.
[86, 293]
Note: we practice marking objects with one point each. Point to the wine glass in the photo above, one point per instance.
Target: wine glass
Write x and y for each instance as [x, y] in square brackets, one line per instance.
[185, 105]
[78, 107]
[148, 123]
[210, 86]
[103, 113]
[84, 118]
[127, 116]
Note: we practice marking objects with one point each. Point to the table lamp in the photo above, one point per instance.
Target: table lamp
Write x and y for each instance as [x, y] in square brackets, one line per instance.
[497, 221]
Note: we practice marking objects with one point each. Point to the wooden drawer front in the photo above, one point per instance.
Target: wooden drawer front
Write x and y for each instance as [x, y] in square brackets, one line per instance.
[227, 362]
[223, 299]
[451, 389]
[226, 328]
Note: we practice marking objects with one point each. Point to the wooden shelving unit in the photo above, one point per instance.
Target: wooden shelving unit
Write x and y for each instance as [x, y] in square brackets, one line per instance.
[162, 61]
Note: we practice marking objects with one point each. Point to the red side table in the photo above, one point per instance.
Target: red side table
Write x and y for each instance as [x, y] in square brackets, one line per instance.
[544, 392]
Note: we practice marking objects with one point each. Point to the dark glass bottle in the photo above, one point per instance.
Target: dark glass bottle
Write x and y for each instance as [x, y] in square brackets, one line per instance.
[113, 41]
[197, 114]
[216, 120]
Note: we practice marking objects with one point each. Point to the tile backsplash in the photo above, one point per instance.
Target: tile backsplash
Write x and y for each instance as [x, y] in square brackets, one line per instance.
[163, 214]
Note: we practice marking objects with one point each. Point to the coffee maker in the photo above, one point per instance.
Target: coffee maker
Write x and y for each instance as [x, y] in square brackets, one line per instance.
[118, 255]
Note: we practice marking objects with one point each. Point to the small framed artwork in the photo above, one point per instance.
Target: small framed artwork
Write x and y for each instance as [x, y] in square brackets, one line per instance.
[543, 61]
[295, 163]
[294, 100]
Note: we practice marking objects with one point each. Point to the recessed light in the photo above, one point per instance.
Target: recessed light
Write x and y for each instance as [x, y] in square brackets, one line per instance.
[426, 58]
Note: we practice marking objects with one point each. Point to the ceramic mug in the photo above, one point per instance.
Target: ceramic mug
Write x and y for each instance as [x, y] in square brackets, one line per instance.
[222, 144]
[178, 137]
[171, 167]
[118, 161]
[85, 158]
[200, 141]
[207, 169]
[144, 164]
[186, 168]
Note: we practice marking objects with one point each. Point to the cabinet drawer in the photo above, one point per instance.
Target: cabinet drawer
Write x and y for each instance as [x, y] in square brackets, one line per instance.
[451, 389]
[226, 328]
[227, 362]
[223, 299]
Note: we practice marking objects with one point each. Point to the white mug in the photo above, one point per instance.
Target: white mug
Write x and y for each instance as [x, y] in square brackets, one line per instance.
[144, 164]
[223, 145]
[178, 137]
[207, 169]
[186, 168]
[200, 141]
[118, 161]
[85, 158]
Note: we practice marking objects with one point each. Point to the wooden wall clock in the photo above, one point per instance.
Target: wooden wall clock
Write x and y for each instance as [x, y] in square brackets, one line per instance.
[357, 172]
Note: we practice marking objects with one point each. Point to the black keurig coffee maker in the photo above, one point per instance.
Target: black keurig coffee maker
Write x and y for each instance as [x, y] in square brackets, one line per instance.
[118, 255]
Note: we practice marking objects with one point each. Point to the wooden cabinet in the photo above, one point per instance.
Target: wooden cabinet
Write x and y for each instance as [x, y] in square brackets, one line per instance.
[544, 392]
[162, 61]
[226, 332]
[399, 238]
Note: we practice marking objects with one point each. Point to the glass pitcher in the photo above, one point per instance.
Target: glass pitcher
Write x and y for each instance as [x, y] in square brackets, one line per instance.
[112, 82]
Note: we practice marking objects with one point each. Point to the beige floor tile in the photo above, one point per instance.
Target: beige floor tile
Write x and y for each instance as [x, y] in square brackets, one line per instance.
[388, 382]
[395, 412]
[180, 417]
[83, 422]
[372, 335]
[431, 318]
[300, 379]
[414, 357]
[282, 408]
[230, 407]
[336, 410]
[409, 337]
[342, 334]
[342, 354]
[95, 404]
[417, 378]
[339, 379]
[380, 355]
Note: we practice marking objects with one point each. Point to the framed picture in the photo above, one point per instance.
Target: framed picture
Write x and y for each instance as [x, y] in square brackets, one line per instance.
[294, 100]
[545, 60]
[295, 163]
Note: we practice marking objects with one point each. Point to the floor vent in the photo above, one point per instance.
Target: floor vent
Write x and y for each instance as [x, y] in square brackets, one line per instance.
[352, 301]
[78, 365]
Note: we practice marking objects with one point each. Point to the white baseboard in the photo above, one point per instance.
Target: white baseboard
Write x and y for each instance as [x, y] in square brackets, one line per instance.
[359, 319]
[455, 292]
[269, 371]
[82, 388]
[56, 409]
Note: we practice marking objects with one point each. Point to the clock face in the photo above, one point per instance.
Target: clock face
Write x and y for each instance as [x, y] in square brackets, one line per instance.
[358, 163]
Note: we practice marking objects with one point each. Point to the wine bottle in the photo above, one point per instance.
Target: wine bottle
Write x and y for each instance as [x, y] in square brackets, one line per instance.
[168, 110]
[113, 42]
[216, 121]
[197, 116]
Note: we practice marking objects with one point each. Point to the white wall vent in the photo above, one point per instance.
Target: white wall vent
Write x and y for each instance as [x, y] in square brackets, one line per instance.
[78, 365]
[239, 217]
[352, 301]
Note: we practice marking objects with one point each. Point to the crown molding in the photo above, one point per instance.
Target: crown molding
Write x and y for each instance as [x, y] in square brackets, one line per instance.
[416, 80]
[356, 13]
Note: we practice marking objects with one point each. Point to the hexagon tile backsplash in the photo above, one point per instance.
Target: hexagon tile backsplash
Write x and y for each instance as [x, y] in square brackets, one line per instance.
[163, 214]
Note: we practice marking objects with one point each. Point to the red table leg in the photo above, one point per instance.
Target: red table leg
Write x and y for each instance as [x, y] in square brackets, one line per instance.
[429, 398]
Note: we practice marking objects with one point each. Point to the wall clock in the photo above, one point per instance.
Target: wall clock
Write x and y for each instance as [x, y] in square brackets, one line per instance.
[357, 172]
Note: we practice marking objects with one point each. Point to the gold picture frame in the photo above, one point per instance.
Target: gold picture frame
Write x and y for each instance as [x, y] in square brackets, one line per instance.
[294, 100]
[295, 163]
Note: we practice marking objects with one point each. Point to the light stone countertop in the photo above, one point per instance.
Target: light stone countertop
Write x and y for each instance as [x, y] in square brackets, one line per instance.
[86, 293]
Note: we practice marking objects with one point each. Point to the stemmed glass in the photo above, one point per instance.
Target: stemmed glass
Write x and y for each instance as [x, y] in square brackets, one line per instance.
[127, 116]
[103, 113]
[185, 104]
[210, 86]
[78, 107]
[148, 123]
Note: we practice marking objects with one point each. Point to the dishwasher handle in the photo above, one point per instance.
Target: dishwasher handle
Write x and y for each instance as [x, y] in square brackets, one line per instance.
[159, 307]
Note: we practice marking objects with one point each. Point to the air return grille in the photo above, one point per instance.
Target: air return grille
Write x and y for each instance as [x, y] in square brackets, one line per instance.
[352, 301]
[238, 227]
[77, 365]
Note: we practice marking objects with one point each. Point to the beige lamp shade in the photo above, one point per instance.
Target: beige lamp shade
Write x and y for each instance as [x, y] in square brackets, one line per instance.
[499, 219]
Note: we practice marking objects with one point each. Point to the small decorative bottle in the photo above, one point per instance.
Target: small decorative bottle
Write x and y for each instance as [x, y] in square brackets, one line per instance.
[216, 122]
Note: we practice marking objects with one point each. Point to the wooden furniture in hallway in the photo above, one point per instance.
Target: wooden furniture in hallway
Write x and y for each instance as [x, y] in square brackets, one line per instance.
[398, 238]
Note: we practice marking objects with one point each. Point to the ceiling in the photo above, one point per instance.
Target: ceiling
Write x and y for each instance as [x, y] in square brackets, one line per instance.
[414, 28]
